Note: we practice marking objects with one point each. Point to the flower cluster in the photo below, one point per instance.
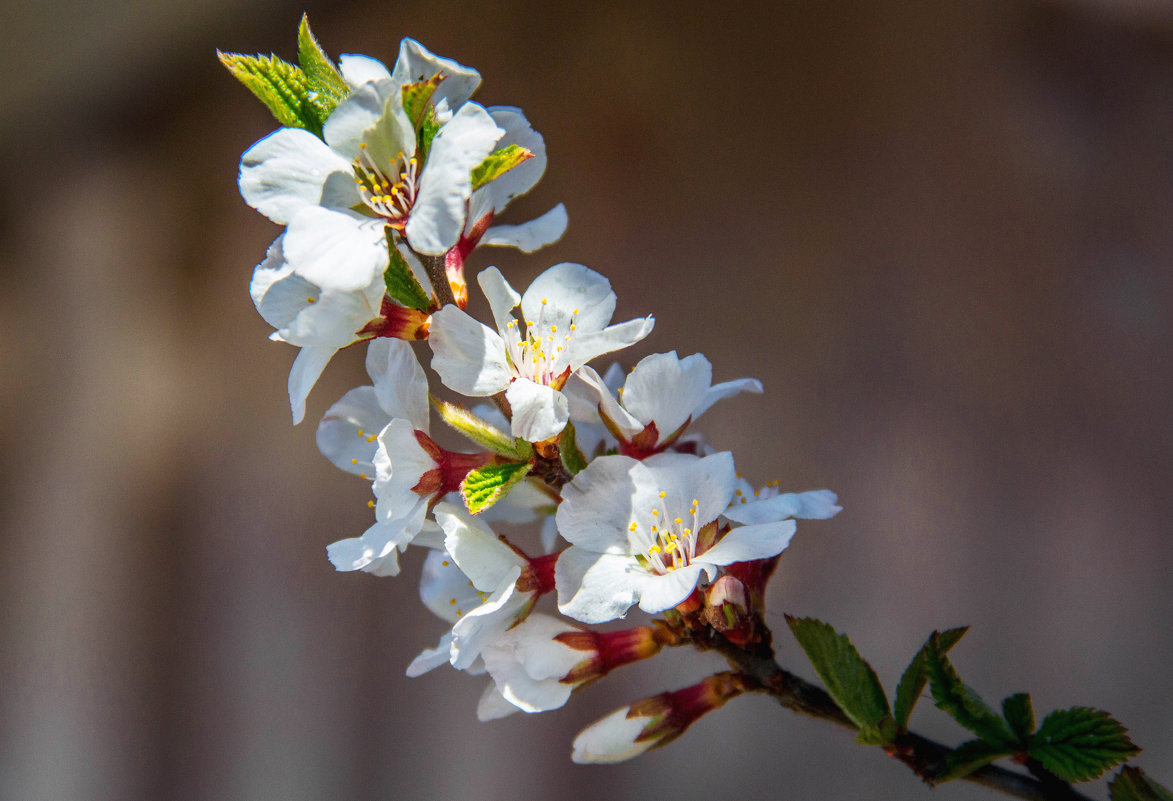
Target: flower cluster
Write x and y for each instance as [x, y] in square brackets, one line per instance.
[385, 181]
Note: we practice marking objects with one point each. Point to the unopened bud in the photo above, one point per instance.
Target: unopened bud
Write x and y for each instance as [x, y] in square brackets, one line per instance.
[653, 722]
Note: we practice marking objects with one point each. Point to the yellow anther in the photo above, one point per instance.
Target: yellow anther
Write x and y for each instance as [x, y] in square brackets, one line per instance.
[680, 520]
[309, 300]
[655, 549]
[553, 330]
[544, 301]
[663, 494]
[656, 512]
[575, 312]
[633, 526]
[573, 327]
[354, 461]
[360, 433]
[445, 563]
[363, 476]
[695, 502]
[472, 585]
[370, 504]
[655, 529]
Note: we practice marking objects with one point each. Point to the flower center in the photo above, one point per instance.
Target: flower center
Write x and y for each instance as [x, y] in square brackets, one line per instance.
[387, 198]
[539, 353]
[669, 543]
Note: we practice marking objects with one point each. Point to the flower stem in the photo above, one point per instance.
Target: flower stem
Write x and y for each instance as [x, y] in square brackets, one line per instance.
[434, 266]
[925, 757]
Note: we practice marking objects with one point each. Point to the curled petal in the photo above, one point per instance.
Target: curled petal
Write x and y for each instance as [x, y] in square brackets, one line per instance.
[529, 236]
[539, 412]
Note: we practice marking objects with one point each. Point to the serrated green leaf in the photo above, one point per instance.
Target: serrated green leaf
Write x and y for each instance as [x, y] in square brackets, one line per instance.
[326, 85]
[480, 432]
[1080, 743]
[916, 676]
[572, 457]
[401, 283]
[498, 163]
[416, 97]
[1020, 714]
[281, 86]
[970, 756]
[1132, 784]
[848, 678]
[486, 485]
[428, 128]
[961, 702]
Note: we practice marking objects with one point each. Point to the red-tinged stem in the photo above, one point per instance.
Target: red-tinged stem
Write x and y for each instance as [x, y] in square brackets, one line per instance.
[923, 756]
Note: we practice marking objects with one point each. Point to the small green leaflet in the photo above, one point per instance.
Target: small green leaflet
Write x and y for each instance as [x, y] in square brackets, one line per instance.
[971, 756]
[1020, 714]
[1080, 743]
[916, 676]
[571, 456]
[480, 432]
[279, 85]
[1131, 784]
[486, 485]
[402, 285]
[326, 85]
[961, 702]
[498, 163]
[416, 97]
[848, 678]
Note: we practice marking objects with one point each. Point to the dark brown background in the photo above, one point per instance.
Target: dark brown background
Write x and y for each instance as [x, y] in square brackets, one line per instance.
[939, 232]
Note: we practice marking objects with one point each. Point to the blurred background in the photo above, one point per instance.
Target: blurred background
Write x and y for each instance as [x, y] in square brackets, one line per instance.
[939, 232]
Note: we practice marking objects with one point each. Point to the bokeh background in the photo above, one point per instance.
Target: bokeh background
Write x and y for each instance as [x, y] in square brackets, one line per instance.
[941, 233]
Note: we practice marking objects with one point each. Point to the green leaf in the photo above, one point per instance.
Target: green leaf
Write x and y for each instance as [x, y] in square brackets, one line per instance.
[849, 679]
[279, 85]
[916, 675]
[970, 756]
[1020, 714]
[498, 163]
[480, 432]
[486, 485]
[428, 128]
[571, 456]
[1080, 743]
[416, 97]
[961, 702]
[882, 734]
[401, 283]
[1131, 784]
[326, 85]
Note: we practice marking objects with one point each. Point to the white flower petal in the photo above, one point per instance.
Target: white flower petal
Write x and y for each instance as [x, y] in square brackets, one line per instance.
[308, 365]
[445, 589]
[483, 624]
[400, 384]
[493, 706]
[813, 505]
[437, 216]
[337, 250]
[346, 435]
[357, 70]
[529, 236]
[745, 543]
[589, 397]
[596, 506]
[520, 179]
[612, 739]
[666, 389]
[291, 169]
[569, 288]
[468, 356]
[431, 658]
[657, 593]
[400, 463]
[417, 63]
[724, 390]
[476, 549]
[376, 551]
[709, 480]
[351, 119]
[539, 412]
[591, 344]
[594, 587]
[501, 296]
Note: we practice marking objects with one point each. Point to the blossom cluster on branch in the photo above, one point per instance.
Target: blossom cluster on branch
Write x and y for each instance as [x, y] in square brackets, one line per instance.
[385, 181]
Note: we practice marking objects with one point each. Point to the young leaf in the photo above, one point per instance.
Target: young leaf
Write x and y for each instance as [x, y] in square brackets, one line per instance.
[482, 433]
[279, 85]
[1020, 715]
[970, 756]
[1131, 784]
[326, 86]
[1080, 743]
[486, 485]
[961, 702]
[401, 283]
[849, 679]
[428, 128]
[498, 163]
[571, 456]
[416, 96]
[916, 676]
